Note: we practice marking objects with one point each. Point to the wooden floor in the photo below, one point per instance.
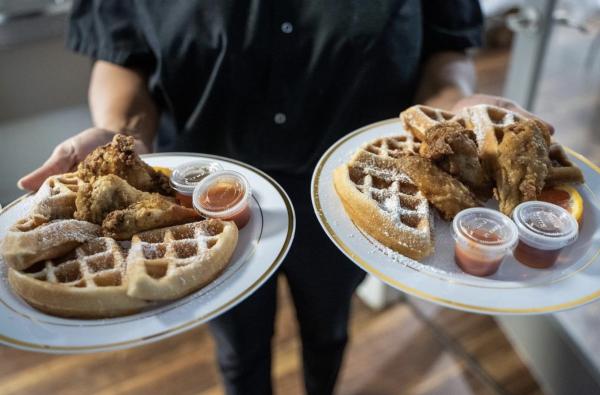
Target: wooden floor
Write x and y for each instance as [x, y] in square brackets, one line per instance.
[410, 348]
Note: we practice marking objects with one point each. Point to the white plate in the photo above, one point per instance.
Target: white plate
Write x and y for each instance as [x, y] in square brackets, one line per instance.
[262, 245]
[514, 289]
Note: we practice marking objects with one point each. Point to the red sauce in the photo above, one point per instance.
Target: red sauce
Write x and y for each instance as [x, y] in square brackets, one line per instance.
[222, 195]
[184, 200]
[534, 257]
[241, 217]
[557, 196]
[473, 260]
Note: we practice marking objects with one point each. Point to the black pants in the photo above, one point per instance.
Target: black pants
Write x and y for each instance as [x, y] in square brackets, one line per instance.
[321, 280]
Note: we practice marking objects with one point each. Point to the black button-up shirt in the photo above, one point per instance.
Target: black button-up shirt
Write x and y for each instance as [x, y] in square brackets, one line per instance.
[273, 82]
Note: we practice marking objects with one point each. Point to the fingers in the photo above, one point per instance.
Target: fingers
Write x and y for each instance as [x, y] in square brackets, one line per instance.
[62, 160]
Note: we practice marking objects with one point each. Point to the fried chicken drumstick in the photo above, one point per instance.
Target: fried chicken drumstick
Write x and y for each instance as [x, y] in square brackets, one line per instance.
[523, 163]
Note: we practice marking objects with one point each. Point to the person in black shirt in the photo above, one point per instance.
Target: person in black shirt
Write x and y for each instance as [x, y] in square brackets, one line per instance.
[273, 84]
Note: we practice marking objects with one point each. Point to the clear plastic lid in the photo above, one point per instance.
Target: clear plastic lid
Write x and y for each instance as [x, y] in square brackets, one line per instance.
[185, 177]
[224, 184]
[487, 230]
[545, 226]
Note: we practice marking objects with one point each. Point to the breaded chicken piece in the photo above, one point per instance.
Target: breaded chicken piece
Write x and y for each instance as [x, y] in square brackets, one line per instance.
[443, 191]
[155, 212]
[454, 149]
[523, 163]
[119, 158]
[105, 194]
[123, 210]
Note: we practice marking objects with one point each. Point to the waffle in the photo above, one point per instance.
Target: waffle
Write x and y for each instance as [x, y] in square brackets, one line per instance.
[168, 263]
[88, 282]
[417, 119]
[562, 170]
[34, 238]
[56, 197]
[385, 203]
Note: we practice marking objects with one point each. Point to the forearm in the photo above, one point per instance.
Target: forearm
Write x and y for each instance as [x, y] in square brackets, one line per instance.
[447, 78]
[120, 102]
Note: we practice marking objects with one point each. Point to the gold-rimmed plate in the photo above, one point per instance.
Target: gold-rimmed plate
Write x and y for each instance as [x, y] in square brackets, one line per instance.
[263, 243]
[514, 289]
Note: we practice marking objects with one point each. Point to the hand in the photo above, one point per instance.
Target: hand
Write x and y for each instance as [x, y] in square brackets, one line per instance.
[68, 154]
[498, 102]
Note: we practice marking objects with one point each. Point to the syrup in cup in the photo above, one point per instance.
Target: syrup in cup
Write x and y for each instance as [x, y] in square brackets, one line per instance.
[544, 230]
[185, 177]
[483, 238]
[224, 195]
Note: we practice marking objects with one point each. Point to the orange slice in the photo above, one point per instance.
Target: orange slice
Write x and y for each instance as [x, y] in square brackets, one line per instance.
[566, 197]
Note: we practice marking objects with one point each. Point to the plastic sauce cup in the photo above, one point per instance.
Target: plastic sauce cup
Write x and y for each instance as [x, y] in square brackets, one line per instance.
[544, 230]
[224, 195]
[185, 177]
[483, 238]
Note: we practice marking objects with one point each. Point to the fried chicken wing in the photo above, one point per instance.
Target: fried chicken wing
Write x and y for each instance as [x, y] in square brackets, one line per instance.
[123, 210]
[445, 192]
[523, 163]
[155, 212]
[105, 194]
[119, 158]
[454, 149]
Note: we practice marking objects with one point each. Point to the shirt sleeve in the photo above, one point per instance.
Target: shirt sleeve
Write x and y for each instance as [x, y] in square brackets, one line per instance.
[451, 25]
[107, 30]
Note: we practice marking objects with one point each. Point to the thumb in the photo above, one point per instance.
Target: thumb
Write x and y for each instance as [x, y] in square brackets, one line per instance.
[61, 161]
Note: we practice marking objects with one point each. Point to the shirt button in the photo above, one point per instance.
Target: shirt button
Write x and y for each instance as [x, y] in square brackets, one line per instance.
[280, 118]
[287, 27]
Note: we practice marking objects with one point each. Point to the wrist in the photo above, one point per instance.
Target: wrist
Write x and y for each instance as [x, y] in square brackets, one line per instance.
[446, 98]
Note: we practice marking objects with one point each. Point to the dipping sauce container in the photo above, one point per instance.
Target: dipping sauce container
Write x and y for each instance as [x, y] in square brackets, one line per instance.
[224, 195]
[185, 177]
[483, 238]
[544, 230]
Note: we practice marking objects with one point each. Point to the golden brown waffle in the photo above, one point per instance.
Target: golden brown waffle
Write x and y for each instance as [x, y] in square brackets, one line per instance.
[89, 282]
[562, 170]
[56, 197]
[34, 239]
[392, 146]
[417, 119]
[168, 263]
[385, 203]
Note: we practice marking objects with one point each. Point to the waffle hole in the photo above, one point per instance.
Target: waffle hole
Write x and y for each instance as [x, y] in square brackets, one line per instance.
[65, 258]
[183, 232]
[156, 270]
[93, 247]
[154, 251]
[499, 132]
[409, 203]
[461, 122]
[36, 268]
[152, 237]
[380, 183]
[373, 149]
[101, 263]
[429, 112]
[447, 116]
[68, 272]
[213, 228]
[357, 176]
[496, 116]
[410, 220]
[408, 189]
[211, 243]
[185, 250]
[111, 279]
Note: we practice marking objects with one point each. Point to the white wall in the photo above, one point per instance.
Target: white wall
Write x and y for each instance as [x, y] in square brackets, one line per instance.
[43, 89]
